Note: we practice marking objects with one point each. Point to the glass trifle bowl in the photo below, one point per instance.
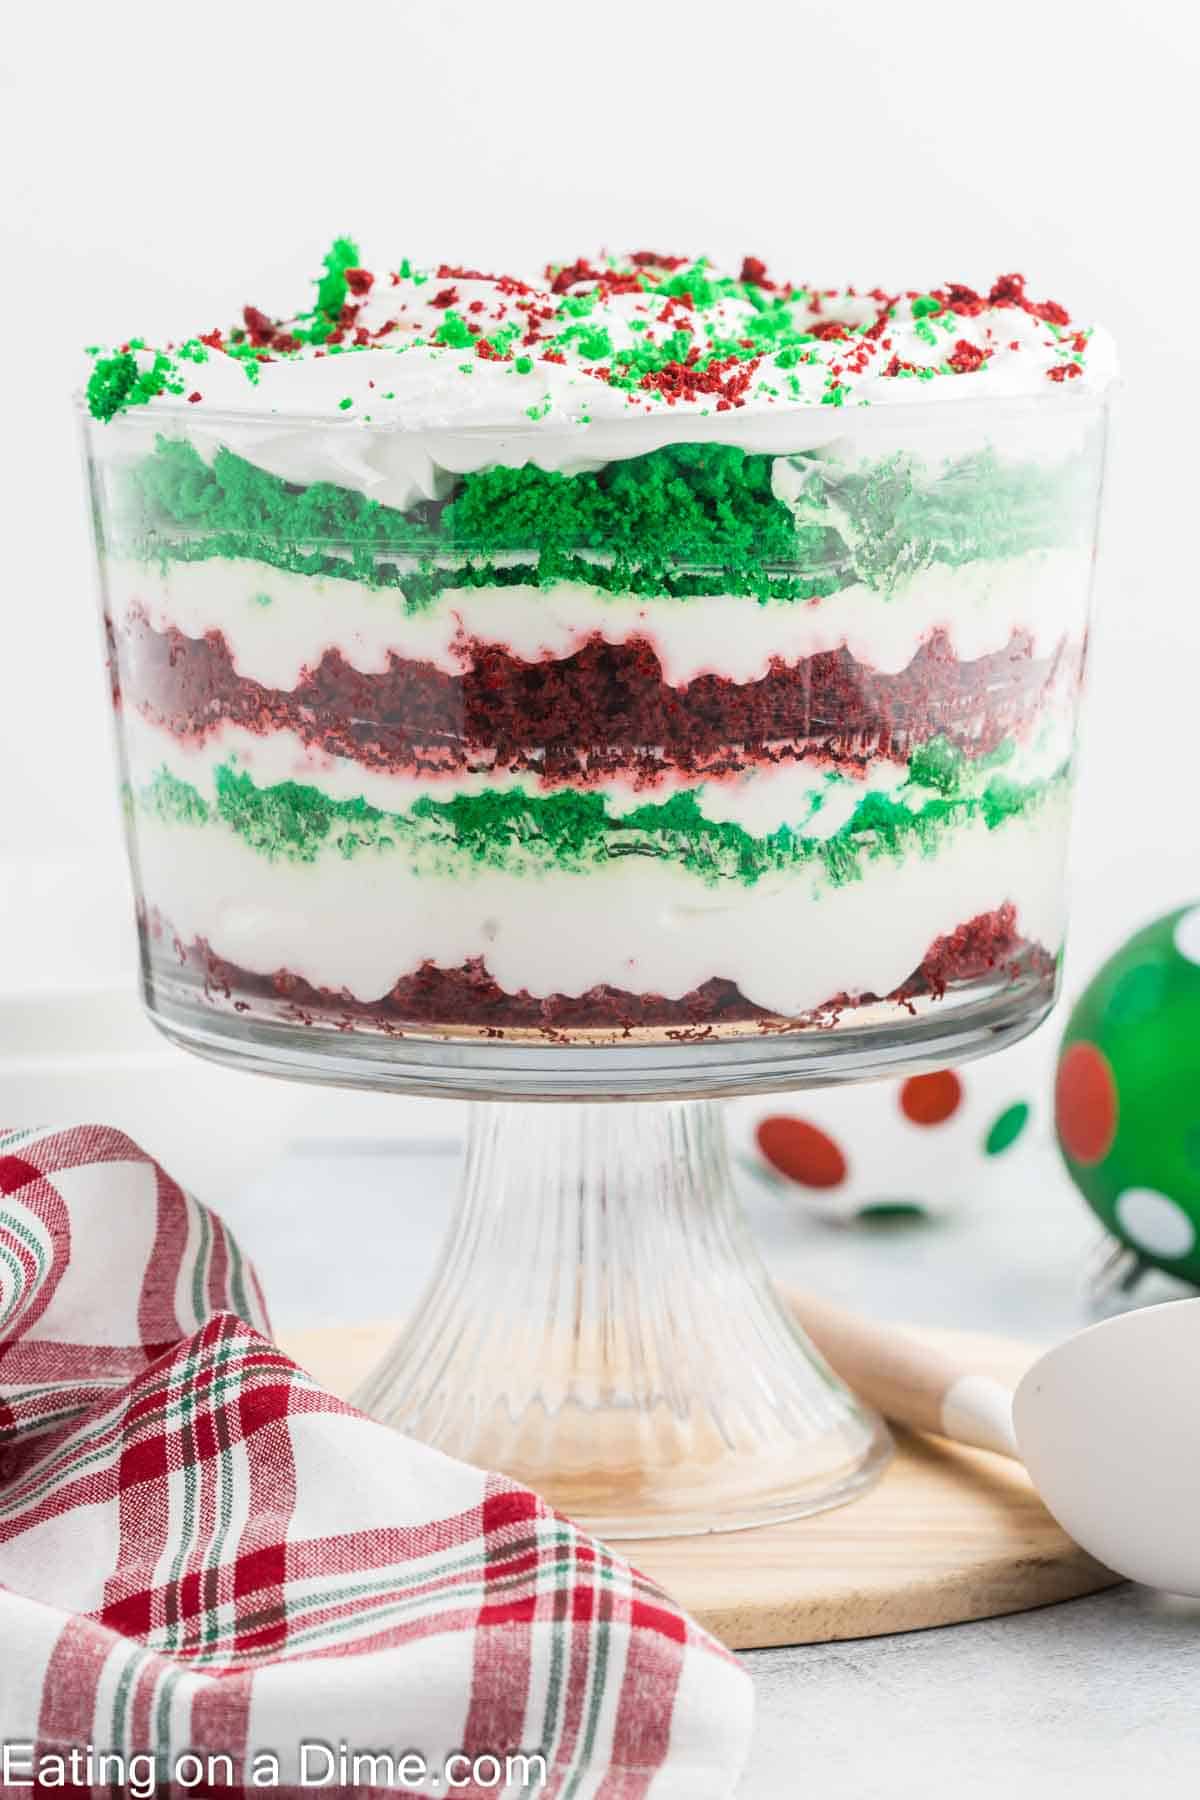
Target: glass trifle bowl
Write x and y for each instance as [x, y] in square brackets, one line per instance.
[651, 684]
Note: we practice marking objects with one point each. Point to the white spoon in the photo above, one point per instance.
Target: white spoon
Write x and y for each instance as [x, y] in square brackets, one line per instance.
[1107, 1424]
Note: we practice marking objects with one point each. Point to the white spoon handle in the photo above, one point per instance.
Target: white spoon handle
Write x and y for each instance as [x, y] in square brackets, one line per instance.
[907, 1381]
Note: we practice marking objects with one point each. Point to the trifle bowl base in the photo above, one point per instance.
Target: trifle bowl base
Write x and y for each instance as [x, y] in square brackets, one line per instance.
[876, 1039]
[601, 1327]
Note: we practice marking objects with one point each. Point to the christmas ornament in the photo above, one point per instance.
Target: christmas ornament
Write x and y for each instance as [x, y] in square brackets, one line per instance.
[1127, 1094]
[888, 1150]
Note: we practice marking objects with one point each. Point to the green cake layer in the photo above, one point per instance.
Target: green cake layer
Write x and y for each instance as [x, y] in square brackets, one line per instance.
[575, 831]
[686, 519]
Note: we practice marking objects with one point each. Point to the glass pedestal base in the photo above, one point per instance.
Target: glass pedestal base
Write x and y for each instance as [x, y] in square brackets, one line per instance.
[601, 1328]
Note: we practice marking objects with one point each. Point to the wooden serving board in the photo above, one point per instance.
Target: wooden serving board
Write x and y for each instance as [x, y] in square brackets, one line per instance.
[948, 1535]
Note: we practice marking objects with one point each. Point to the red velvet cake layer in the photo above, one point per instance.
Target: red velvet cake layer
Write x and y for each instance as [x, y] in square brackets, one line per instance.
[605, 708]
[441, 999]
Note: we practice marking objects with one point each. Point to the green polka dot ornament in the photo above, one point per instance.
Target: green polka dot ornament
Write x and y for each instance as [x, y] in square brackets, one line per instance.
[1127, 1094]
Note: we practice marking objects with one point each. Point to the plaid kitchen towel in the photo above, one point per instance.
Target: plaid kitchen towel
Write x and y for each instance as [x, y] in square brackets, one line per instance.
[217, 1579]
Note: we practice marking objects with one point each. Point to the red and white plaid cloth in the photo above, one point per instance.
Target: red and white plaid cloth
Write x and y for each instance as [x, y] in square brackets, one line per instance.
[205, 1556]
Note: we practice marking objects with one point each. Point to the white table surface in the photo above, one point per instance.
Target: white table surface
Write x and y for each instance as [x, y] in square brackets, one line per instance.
[1097, 1696]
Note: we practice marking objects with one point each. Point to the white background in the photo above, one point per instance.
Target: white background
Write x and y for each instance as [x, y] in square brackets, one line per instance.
[164, 164]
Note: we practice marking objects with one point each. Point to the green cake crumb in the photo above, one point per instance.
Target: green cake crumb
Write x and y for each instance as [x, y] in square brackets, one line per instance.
[570, 830]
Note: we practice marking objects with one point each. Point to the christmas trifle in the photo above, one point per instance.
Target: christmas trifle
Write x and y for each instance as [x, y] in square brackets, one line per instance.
[644, 652]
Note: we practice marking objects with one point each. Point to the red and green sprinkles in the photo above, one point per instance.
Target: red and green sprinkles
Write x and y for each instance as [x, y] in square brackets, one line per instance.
[662, 330]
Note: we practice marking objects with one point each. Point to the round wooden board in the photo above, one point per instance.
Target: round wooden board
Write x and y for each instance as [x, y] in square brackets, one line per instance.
[948, 1535]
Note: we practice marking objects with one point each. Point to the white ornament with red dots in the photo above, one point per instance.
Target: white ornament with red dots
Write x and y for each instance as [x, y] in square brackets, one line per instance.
[888, 1148]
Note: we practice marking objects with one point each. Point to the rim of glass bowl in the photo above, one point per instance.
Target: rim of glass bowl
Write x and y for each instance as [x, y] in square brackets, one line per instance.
[450, 1068]
[672, 425]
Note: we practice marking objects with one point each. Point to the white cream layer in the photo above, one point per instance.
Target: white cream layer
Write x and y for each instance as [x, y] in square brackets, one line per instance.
[277, 624]
[401, 466]
[762, 798]
[789, 943]
[795, 792]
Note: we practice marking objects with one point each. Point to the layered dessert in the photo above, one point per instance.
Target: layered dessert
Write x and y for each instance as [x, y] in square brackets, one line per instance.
[643, 651]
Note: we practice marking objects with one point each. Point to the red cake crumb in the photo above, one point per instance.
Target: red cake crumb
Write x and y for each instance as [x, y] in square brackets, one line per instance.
[754, 272]
[574, 273]
[965, 358]
[260, 327]
[111, 660]
[962, 300]
[976, 947]
[727, 378]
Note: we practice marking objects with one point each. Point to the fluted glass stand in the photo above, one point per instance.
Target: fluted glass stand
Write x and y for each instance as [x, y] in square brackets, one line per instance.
[601, 1327]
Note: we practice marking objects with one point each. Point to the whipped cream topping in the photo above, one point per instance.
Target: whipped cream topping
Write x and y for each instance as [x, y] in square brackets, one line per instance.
[595, 342]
